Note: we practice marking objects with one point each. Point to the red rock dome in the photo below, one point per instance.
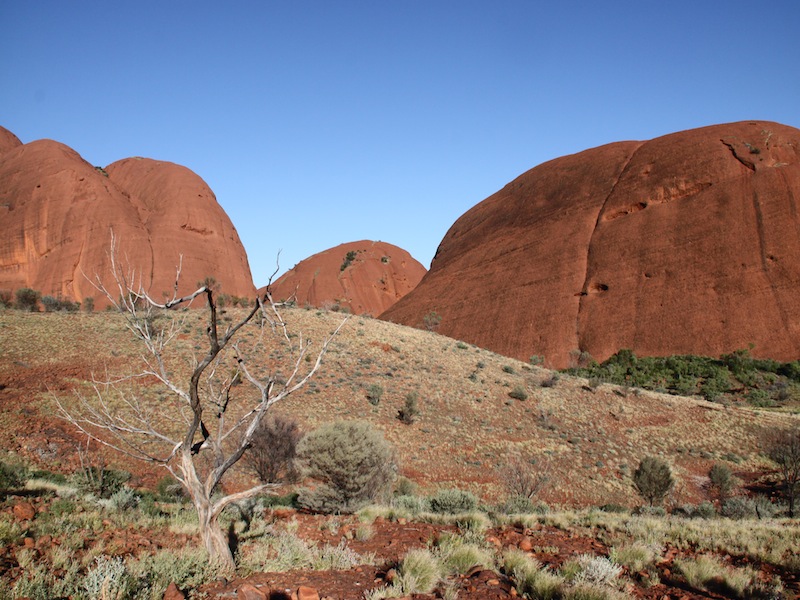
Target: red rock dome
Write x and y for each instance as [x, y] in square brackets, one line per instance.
[364, 277]
[688, 243]
[58, 210]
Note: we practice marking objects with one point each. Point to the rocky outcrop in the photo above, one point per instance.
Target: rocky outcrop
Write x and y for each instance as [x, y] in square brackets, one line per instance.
[58, 212]
[688, 243]
[364, 277]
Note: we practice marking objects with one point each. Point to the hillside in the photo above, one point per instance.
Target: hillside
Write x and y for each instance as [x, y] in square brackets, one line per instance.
[588, 438]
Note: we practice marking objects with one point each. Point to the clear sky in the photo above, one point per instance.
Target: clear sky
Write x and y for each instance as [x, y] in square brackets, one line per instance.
[317, 123]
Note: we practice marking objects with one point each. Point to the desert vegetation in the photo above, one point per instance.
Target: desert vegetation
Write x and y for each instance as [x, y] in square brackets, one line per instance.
[736, 376]
[493, 492]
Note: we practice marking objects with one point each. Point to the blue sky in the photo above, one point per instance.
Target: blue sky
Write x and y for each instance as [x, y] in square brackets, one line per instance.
[317, 123]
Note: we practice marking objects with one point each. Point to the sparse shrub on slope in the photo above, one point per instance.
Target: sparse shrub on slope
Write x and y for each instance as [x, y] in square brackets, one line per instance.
[352, 464]
[721, 481]
[653, 479]
[453, 501]
[273, 449]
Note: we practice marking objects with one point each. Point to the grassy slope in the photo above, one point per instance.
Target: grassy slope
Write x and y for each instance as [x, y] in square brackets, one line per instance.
[591, 439]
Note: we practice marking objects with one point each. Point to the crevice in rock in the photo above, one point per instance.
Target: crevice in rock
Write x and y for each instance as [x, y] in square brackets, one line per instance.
[766, 260]
[583, 294]
[747, 163]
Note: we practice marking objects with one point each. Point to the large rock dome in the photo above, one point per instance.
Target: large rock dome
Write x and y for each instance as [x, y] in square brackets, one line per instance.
[57, 212]
[688, 243]
[363, 277]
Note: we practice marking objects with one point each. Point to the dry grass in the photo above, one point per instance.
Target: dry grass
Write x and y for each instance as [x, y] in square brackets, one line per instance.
[468, 426]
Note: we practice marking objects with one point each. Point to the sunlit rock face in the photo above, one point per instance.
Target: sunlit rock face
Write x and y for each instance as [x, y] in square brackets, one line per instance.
[688, 243]
[57, 212]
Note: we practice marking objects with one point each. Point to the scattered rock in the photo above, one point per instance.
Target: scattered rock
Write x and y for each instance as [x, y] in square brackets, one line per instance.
[173, 593]
[247, 591]
[305, 593]
[24, 511]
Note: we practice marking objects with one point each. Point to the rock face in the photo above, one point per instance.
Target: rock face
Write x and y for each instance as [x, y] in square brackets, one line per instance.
[57, 212]
[365, 277]
[688, 243]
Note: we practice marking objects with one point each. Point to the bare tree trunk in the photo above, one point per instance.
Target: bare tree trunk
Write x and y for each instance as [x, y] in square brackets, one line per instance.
[214, 539]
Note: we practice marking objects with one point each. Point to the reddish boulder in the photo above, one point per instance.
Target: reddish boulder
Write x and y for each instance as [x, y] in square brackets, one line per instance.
[173, 593]
[24, 511]
[365, 277]
[688, 243]
[248, 591]
[306, 593]
[57, 210]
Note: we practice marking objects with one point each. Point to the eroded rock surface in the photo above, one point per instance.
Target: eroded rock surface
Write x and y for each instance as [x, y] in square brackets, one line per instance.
[688, 243]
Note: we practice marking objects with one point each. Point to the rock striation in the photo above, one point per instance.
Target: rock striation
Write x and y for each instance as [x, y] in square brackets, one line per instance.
[57, 212]
[687, 243]
[364, 277]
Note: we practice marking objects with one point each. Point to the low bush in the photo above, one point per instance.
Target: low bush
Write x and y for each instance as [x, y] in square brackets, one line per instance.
[352, 464]
[653, 479]
[273, 449]
[518, 393]
[453, 501]
[12, 476]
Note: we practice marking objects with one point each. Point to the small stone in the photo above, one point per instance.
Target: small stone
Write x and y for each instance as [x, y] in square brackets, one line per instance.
[526, 545]
[493, 582]
[247, 591]
[307, 593]
[173, 593]
[24, 511]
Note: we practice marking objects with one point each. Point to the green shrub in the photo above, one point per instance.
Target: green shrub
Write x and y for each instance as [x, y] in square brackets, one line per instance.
[374, 394]
[530, 579]
[742, 507]
[419, 572]
[721, 481]
[170, 489]
[431, 321]
[109, 579]
[27, 299]
[411, 503]
[348, 259]
[124, 499]
[453, 501]
[100, 481]
[518, 393]
[12, 476]
[403, 486]
[273, 450]
[352, 463]
[516, 505]
[410, 411]
[653, 479]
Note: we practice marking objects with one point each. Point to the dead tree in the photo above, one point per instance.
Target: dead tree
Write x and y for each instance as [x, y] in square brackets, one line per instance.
[208, 422]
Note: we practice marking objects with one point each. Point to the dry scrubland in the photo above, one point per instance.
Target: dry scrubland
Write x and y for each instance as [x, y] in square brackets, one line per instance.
[589, 439]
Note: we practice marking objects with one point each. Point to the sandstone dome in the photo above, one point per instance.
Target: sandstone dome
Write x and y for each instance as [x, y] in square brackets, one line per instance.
[58, 212]
[364, 277]
[687, 243]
